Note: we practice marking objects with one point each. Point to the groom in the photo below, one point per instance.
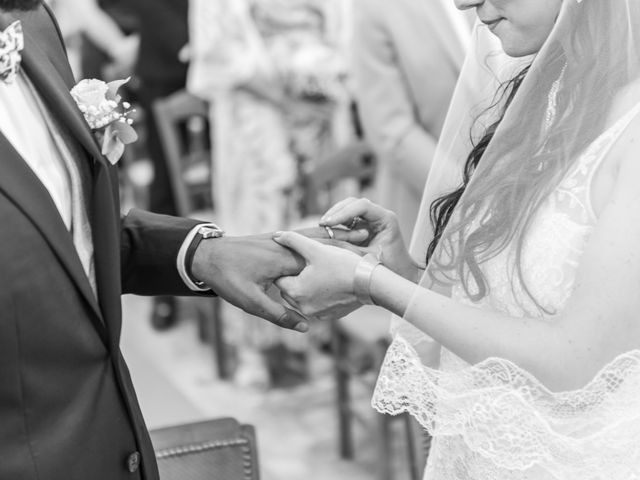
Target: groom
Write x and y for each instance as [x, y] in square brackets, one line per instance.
[68, 410]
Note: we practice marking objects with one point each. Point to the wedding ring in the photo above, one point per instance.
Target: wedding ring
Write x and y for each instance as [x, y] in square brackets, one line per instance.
[354, 222]
[330, 232]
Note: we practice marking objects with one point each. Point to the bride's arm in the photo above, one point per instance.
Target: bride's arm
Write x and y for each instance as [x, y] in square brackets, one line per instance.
[600, 321]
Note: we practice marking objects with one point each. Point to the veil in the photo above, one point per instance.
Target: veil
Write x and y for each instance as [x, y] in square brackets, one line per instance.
[485, 69]
[580, 91]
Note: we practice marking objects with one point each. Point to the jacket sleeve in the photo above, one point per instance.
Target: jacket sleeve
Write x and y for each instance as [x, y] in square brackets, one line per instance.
[387, 110]
[149, 252]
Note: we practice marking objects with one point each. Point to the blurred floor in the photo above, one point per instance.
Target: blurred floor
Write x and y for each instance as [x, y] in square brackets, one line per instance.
[296, 428]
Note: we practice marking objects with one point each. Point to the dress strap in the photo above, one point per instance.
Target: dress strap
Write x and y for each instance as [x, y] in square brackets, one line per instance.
[596, 153]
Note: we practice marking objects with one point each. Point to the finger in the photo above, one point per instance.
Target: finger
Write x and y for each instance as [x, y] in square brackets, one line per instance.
[352, 236]
[313, 232]
[300, 244]
[346, 246]
[290, 301]
[338, 206]
[285, 284]
[363, 208]
[278, 314]
[291, 263]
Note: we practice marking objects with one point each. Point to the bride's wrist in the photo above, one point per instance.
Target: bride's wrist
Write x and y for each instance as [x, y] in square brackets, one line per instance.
[362, 278]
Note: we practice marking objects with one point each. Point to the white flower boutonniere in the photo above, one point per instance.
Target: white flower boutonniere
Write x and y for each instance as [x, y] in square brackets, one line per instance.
[106, 114]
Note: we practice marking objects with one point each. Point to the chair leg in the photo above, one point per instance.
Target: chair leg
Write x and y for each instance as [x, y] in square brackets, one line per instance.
[219, 345]
[384, 447]
[204, 329]
[413, 444]
[345, 414]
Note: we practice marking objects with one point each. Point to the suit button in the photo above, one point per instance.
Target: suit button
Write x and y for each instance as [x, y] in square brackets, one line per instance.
[133, 462]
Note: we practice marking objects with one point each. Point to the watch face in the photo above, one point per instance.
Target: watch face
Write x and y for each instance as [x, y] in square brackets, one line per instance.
[210, 232]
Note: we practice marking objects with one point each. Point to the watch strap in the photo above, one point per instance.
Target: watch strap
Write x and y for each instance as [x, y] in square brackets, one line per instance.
[203, 233]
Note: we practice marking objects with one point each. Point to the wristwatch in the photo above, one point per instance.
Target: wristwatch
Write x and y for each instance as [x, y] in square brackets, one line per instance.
[205, 232]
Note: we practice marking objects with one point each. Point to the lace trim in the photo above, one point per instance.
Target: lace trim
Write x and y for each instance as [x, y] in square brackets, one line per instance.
[578, 182]
[507, 416]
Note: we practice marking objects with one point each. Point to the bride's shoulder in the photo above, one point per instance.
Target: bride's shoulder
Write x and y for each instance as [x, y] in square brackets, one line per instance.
[627, 104]
[620, 167]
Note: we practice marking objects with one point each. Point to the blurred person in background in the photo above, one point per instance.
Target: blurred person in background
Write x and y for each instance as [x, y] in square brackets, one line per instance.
[97, 63]
[85, 17]
[273, 72]
[406, 58]
[159, 71]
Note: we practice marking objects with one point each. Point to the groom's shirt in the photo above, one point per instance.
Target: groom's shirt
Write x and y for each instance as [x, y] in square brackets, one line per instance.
[25, 124]
[25, 127]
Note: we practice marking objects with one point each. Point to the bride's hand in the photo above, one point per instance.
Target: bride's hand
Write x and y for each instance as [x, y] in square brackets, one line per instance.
[385, 238]
[324, 289]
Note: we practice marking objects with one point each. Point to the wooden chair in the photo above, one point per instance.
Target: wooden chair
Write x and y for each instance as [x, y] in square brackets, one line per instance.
[219, 449]
[360, 340]
[352, 162]
[183, 123]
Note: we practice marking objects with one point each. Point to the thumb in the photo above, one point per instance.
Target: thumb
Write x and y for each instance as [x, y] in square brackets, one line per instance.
[300, 244]
[277, 314]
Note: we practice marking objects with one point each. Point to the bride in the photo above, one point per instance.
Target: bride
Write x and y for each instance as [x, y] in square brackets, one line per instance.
[532, 275]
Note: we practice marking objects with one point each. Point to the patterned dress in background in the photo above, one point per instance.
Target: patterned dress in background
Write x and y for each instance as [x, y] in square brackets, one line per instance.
[260, 147]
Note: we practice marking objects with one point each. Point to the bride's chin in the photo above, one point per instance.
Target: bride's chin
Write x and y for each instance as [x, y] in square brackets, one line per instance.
[518, 49]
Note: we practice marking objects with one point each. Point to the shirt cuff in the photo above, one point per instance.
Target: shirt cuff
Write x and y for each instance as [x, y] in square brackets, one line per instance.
[182, 253]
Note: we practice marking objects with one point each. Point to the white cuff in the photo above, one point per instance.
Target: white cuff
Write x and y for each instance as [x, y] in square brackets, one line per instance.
[182, 253]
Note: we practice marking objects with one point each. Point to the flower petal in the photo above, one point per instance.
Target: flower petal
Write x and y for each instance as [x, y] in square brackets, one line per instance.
[112, 93]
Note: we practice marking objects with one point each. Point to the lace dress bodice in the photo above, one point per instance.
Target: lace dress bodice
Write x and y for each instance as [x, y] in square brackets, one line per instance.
[494, 421]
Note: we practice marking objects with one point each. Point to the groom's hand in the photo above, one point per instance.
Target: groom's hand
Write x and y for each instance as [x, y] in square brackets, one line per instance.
[242, 269]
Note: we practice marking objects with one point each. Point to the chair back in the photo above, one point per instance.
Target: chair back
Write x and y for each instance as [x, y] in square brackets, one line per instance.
[183, 123]
[352, 162]
[220, 449]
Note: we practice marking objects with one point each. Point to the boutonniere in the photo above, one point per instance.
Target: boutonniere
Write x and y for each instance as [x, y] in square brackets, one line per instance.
[107, 115]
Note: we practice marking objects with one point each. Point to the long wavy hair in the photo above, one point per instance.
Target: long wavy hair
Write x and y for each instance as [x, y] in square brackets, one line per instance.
[527, 168]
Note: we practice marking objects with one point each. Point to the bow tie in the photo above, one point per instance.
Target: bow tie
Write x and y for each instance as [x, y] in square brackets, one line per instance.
[11, 44]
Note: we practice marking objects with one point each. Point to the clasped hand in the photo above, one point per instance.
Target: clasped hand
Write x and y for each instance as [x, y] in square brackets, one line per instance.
[324, 288]
[313, 272]
[242, 270]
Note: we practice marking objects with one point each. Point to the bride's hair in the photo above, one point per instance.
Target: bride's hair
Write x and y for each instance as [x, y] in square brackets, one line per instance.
[443, 207]
[502, 201]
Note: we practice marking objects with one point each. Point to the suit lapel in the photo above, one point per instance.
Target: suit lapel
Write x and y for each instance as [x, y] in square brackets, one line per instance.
[40, 208]
[55, 92]
[106, 244]
[22, 186]
[103, 192]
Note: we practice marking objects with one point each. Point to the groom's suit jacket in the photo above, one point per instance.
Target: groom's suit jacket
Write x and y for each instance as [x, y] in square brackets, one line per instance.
[68, 410]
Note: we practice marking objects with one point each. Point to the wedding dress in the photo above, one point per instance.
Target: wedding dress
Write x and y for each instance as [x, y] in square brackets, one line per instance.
[541, 426]
[495, 420]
